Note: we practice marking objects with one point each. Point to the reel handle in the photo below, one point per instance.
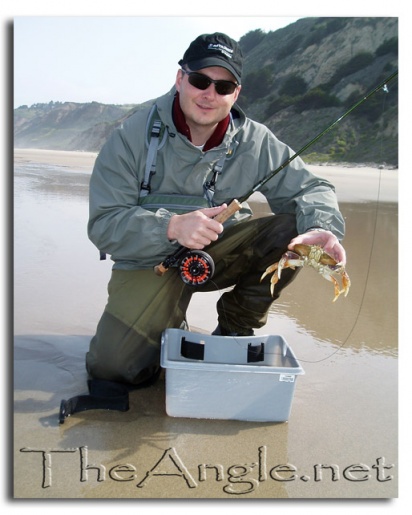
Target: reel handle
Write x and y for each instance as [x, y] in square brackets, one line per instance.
[231, 209]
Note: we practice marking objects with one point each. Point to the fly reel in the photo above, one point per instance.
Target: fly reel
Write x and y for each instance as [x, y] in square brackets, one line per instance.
[196, 267]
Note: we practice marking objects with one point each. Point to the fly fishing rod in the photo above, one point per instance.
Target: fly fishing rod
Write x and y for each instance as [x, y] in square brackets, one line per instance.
[196, 266]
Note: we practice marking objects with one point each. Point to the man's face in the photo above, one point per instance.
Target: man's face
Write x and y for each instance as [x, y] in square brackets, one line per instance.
[205, 108]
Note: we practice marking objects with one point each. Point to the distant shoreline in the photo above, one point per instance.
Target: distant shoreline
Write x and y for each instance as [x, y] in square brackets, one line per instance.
[61, 156]
[57, 157]
[353, 182]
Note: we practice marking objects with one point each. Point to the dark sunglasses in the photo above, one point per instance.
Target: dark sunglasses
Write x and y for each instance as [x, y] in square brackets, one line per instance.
[200, 81]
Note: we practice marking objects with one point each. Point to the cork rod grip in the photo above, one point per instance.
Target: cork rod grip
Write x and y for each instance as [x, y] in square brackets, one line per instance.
[231, 209]
[160, 269]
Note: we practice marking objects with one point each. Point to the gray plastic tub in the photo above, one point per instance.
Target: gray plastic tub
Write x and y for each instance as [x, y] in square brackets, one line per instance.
[234, 378]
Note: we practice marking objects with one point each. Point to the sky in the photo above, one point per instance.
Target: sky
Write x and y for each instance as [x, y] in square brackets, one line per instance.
[127, 52]
[113, 60]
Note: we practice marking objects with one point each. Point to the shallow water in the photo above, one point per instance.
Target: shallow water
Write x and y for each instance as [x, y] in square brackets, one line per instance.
[345, 406]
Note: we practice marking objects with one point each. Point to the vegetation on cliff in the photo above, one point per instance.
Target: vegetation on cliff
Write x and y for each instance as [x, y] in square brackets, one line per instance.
[297, 80]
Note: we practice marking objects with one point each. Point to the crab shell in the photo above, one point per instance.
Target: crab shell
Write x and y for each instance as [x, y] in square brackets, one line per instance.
[314, 252]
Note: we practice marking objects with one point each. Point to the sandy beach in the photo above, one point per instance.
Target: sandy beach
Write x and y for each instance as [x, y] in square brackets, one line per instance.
[341, 440]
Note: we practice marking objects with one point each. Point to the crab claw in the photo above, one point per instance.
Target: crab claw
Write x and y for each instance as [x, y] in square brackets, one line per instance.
[275, 277]
[269, 270]
[338, 291]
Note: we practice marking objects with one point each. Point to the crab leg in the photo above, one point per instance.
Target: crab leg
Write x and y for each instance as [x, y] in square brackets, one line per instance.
[335, 283]
[345, 283]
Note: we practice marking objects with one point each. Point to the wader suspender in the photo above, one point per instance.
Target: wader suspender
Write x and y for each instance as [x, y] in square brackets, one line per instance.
[209, 186]
[158, 136]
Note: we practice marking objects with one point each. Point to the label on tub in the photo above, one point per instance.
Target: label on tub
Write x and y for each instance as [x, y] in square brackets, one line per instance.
[288, 378]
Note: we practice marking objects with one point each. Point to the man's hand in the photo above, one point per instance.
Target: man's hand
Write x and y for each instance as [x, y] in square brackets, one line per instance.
[197, 229]
[325, 239]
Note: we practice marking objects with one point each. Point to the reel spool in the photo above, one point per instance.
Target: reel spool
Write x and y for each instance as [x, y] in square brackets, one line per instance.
[196, 267]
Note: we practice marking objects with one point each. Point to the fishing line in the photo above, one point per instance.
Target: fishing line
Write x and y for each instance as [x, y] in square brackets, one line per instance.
[368, 271]
[357, 317]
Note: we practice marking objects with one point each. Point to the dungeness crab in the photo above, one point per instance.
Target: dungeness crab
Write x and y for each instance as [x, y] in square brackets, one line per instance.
[317, 258]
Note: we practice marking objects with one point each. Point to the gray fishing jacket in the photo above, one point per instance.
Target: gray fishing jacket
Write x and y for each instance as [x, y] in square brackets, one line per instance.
[135, 237]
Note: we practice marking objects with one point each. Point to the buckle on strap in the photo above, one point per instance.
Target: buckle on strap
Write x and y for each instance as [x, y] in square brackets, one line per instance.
[156, 128]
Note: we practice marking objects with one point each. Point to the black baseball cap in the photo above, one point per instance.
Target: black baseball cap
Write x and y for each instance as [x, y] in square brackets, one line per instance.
[216, 49]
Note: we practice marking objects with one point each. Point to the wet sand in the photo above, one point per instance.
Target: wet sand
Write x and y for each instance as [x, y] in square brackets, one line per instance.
[341, 440]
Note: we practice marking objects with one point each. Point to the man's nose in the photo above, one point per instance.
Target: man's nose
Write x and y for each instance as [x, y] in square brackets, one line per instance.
[210, 90]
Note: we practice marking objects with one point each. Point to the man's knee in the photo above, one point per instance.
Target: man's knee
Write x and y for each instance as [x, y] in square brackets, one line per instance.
[118, 353]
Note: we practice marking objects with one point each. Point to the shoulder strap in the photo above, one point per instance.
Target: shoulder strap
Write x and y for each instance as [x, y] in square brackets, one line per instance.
[209, 186]
[158, 134]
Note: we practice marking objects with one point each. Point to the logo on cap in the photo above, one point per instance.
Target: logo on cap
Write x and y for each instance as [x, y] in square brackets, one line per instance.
[228, 52]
